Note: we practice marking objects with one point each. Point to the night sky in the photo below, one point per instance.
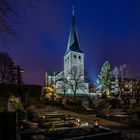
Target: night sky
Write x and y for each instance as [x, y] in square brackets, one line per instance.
[107, 30]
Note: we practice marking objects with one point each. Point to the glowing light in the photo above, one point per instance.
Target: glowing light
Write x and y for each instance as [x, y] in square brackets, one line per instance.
[78, 122]
[96, 122]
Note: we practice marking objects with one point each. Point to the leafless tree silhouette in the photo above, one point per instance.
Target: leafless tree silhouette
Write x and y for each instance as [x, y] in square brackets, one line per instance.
[6, 69]
[74, 80]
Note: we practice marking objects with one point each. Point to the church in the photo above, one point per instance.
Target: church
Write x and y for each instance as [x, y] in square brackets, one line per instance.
[70, 80]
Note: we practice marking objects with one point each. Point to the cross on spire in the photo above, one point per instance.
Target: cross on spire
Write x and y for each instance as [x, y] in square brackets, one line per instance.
[73, 10]
[73, 41]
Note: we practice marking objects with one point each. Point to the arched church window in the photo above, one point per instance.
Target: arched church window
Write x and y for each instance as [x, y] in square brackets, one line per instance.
[74, 56]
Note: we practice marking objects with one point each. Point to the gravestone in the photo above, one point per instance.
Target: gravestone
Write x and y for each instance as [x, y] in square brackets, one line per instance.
[85, 104]
[132, 102]
[8, 126]
[64, 102]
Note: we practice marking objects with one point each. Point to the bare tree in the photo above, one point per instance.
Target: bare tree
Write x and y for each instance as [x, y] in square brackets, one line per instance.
[9, 11]
[120, 73]
[115, 73]
[6, 68]
[74, 80]
[6, 11]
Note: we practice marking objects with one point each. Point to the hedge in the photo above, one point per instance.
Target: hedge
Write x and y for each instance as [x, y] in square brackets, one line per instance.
[30, 94]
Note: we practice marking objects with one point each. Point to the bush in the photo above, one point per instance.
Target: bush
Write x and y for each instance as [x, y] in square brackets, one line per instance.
[30, 94]
[31, 111]
[74, 102]
[21, 111]
[115, 103]
[74, 108]
[1, 109]
[49, 128]
[103, 105]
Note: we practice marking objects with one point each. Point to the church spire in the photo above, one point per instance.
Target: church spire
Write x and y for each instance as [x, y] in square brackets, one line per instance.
[73, 42]
[73, 10]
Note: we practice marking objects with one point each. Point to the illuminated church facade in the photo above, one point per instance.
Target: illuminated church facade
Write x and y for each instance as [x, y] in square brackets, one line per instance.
[73, 67]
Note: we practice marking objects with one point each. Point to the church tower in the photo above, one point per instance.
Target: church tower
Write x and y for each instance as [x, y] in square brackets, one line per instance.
[73, 57]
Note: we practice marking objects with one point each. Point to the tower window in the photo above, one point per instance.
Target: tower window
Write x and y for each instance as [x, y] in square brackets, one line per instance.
[79, 57]
[74, 56]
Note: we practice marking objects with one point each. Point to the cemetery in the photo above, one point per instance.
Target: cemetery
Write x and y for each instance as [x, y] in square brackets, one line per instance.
[45, 124]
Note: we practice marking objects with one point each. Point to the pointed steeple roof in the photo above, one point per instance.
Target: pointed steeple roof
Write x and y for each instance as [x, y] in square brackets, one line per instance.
[73, 42]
